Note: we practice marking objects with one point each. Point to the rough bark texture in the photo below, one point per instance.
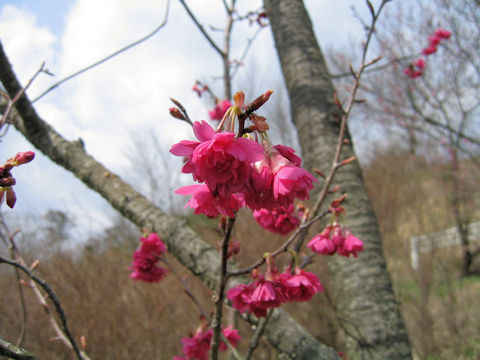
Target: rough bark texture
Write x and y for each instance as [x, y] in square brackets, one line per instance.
[362, 288]
[284, 333]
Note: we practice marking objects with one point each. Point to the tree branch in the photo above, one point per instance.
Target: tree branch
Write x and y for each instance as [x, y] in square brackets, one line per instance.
[199, 257]
[105, 59]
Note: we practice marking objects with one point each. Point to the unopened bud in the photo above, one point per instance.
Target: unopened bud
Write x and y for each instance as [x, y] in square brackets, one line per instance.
[83, 342]
[259, 101]
[319, 172]
[239, 99]
[348, 161]
[338, 201]
[24, 157]
[6, 182]
[34, 265]
[11, 198]
[176, 113]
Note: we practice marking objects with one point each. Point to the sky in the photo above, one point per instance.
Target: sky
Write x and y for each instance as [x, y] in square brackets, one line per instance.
[128, 96]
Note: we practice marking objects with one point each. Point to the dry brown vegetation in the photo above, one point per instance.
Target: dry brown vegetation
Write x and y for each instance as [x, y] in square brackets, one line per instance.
[123, 319]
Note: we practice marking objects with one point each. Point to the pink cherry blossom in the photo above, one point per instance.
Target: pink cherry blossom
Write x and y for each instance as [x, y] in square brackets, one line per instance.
[145, 259]
[351, 245]
[429, 50]
[292, 182]
[434, 40]
[322, 243]
[220, 159]
[198, 346]
[232, 336]
[276, 180]
[280, 220]
[301, 286]
[145, 268]
[442, 33]
[204, 202]
[219, 110]
[266, 294]
[240, 297]
[419, 64]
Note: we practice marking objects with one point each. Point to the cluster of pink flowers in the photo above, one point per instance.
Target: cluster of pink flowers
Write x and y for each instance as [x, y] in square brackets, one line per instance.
[146, 258]
[273, 289]
[197, 346]
[7, 181]
[219, 110]
[415, 69]
[434, 41]
[199, 88]
[280, 220]
[239, 172]
[335, 239]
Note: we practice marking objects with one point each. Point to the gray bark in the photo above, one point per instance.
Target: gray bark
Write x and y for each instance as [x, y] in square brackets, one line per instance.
[362, 289]
[283, 332]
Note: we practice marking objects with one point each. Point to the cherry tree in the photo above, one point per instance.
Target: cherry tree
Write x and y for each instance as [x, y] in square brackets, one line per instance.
[236, 165]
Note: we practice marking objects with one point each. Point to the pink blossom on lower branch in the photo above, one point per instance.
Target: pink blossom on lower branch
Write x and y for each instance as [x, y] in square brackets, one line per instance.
[301, 286]
[335, 239]
[280, 220]
[197, 346]
[145, 260]
[322, 243]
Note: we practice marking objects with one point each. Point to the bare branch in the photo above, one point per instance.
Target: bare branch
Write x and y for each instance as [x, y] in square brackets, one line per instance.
[202, 30]
[105, 59]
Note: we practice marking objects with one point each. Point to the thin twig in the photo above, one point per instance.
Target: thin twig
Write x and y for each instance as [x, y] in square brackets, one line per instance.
[346, 113]
[101, 61]
[258, 334]
[11, 102]
[222, 282]
[186, 288]
[43, 284]
[202, 30]
[303, 227]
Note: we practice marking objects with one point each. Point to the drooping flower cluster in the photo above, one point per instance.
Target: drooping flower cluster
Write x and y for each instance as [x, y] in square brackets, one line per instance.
[219, 110]
[273, 289]
[146, 258]
[335, 239]
[416, 68]
[197, 346]
[280, 220]
[7, 181]
[239, 171]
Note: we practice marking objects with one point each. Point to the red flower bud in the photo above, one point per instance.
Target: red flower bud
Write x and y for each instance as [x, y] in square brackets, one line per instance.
[7, 182]
[11, 198]
[176, 113]
[24, 157]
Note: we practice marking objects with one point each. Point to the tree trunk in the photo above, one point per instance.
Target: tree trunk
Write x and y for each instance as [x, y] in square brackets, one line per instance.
[362, 288]
[283, 332]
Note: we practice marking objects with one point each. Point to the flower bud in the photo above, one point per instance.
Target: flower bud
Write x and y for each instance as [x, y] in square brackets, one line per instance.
[24, 157]
[7, 182]
[176, 113]
[11, 198]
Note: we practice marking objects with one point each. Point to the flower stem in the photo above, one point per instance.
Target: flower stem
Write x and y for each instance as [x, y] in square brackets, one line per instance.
[217, 317]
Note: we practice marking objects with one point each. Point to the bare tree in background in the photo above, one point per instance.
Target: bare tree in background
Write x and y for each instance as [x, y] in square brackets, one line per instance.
[440, 108]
